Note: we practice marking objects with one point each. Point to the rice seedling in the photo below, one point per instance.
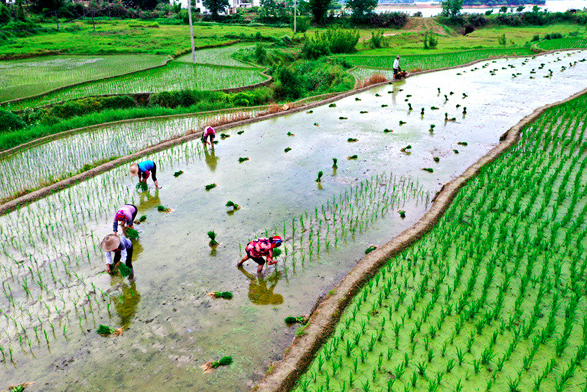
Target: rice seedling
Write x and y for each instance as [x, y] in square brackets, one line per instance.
[463, 144]
[212, 236]
[319, 178]
[352, 140]
[212, 365]
[290, 134]
[210, 186]
[334, 163]
[402, 122]
[351, 157]
[287, 149]
[232, 205]
[386, 130]
[436, 159]
[243, 159]
[220, 294]
[428, 169]
[363, 112]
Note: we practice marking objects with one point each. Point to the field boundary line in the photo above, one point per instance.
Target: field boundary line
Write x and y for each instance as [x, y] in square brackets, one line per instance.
[284, 374]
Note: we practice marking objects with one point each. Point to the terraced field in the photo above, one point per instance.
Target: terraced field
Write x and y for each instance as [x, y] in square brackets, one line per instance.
[492, 297]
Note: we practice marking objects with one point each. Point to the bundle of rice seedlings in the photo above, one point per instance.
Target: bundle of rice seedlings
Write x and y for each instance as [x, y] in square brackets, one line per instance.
[295, 320]
[287, 149]
[105, 330]
[210, 186]
[276, 252]
[211, 365]
[352, 140]
[334, 165]
[370, 249]
[178, 173]
[143, 218]
[352, 157]
[224, 136]
[290, 134]
[402, 214]
[142, 186]
[332, 105]
[233, 205]
[220, 294]
[132, 234]
[124, 270]
[320, 174]
[242, 159]
[240, 132]
[428, 169]
[212, 236]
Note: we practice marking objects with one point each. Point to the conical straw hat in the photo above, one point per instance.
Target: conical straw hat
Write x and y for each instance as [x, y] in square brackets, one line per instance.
[110, 242]
[134, 169]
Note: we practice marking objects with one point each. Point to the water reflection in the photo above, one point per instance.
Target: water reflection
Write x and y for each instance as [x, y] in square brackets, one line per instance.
[148, 200]
[126, 303]
[259, 292]
[211, 159]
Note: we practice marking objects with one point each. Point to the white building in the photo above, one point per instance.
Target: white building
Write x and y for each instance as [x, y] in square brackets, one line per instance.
[234, 4]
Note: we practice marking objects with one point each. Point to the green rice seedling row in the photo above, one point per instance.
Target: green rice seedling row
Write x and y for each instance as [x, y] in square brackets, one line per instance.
[492, 297]
[172, 77]
[81, 151]
[218, 56]
[433, 61]
[24, 78]
[554, 44]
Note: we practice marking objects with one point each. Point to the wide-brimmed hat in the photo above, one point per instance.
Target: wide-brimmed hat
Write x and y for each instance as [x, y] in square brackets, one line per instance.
[110, 243]
[134, 169]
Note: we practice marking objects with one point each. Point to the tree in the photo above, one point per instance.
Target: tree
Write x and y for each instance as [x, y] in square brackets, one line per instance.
[46, 6]
[215, 6]
[503, 9]
[520, 8]
[319, 9]
[361, 8]
[452, 8]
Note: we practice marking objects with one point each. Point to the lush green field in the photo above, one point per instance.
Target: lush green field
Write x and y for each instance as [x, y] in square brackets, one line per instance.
[493, 297]
[571, 42]
[218, 56]
[128, 36]
[433, 61]
[174, 76]
[24, 78]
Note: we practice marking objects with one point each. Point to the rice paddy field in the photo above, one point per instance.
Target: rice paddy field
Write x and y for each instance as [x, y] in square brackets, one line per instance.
[218, 56]
[492, 299]
[172, 77]
[379, 157]
[25, 78]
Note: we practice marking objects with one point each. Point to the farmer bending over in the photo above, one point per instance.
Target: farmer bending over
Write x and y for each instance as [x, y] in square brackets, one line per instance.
[143, 170]
[396, 68]
[208, 133]
[126, 215]
[121, 246]
[259, 248]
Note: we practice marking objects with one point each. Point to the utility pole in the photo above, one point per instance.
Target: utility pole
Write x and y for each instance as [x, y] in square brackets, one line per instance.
[295, 14]
[191, 31]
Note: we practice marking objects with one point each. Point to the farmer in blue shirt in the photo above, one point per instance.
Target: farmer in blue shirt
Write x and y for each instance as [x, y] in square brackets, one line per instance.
[143, 170]
[122, 247]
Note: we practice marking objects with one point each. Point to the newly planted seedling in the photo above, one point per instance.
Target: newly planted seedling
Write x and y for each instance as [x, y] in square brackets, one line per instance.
[334, 163]
[320, 174]
[212, 236]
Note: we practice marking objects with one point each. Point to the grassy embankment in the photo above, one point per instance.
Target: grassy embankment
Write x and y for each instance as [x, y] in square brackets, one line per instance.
[493, 297]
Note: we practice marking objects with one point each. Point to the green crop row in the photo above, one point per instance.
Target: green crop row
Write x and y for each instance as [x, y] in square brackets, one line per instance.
[174, 76]
[24, 78]
[434, 61]
[553, 44]
[217, 56]
[493, 297]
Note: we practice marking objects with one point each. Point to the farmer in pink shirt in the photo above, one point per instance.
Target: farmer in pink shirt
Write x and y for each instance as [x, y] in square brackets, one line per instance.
[259, 248]
[126, 215]
[208, 133]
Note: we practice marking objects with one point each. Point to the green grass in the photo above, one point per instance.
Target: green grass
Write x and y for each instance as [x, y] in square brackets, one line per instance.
[174, 76]
[127, 36]
[493, 297]
[24, 78]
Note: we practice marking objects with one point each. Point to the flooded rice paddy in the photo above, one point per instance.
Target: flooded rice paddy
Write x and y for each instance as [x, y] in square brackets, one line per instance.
[56, 293]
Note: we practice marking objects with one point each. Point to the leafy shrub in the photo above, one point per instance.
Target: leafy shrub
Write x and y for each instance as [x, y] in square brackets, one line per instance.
[340, 40]
[389, 19]
[302, 24]
[477, 20]
[535, 38]
[314, 48]
[430, 41]
[84, 106]
[553, 36]
[186, 98]
[4, 14]
[10, 121]
[287, 83]
[377, 39]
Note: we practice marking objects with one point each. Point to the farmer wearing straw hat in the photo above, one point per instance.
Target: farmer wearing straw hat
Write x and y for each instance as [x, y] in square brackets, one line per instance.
[126, 215]
[144, 170]
[121, 246]
[208, 133]
[259, 248]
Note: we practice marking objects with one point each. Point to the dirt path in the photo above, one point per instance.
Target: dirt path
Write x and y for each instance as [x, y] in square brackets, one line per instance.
[424, 24]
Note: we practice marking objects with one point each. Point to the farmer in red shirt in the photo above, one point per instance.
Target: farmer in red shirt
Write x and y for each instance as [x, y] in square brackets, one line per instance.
[259, 248]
